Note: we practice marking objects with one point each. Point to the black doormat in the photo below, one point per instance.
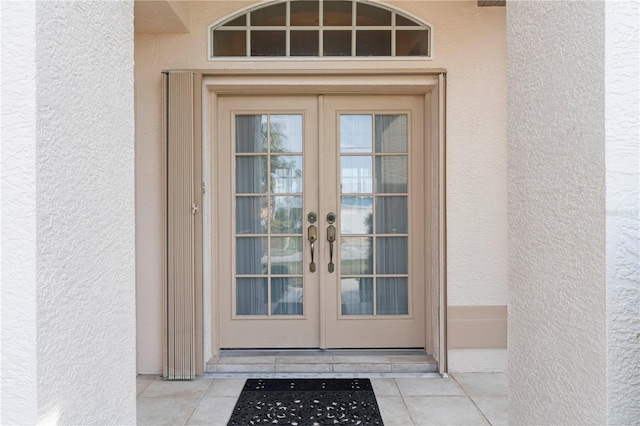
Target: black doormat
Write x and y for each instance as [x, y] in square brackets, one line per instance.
[306, 402]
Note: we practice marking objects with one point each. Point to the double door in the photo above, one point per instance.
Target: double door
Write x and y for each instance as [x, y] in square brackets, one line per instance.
[320, 221]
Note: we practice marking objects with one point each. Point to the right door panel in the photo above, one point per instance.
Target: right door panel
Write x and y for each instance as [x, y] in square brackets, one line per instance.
[373, 178]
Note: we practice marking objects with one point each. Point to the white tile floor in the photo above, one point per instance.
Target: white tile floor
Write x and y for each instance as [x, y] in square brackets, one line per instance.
[462, 399]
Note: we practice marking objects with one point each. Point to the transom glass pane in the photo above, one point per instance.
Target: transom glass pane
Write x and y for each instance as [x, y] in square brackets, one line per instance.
[293, 28]
[305, 13]
[337, 13]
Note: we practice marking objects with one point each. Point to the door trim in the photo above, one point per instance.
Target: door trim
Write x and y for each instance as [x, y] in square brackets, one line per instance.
[428, 83]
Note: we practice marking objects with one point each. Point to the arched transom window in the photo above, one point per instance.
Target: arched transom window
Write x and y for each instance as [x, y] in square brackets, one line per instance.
[319, 28]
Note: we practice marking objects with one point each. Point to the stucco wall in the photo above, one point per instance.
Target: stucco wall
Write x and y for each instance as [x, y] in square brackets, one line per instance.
[622, 118]
[74, 290]
[468, 41]
[556, 167]
[18, 396]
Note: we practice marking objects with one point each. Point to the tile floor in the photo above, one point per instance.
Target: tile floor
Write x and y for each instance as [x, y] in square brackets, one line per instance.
[461, 399]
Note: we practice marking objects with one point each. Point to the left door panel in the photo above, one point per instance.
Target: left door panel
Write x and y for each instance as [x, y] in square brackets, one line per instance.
[267, 183]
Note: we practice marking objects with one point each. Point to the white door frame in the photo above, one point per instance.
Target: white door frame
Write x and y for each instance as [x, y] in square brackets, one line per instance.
[431, 84]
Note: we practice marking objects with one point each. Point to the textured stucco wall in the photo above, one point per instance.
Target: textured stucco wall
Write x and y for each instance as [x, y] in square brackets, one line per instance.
[469, 42]
[18, 395]
[556, 168]
[85, 213]
[622, 115]
[68, 272]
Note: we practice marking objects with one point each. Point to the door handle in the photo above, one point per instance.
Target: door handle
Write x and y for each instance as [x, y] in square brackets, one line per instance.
[312, 236]
[331, 238]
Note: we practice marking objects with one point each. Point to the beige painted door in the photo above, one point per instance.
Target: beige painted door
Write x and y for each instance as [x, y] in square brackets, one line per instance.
[341, 177]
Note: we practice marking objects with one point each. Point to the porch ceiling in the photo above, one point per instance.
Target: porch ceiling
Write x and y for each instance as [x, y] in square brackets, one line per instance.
[162, 17]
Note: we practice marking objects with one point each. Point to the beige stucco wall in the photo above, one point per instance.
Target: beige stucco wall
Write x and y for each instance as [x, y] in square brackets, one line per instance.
[470, 43]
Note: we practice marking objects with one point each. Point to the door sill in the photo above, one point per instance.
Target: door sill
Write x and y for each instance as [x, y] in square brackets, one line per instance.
[323, 363]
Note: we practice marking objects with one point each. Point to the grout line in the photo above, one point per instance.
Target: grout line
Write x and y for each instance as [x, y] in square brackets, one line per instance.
[404, 402]
[146, 386]
[198, 403]
[471, 399]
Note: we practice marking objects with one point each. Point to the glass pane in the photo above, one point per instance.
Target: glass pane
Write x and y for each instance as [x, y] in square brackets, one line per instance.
[251, 255]
[250, 133]
[286, 296]
[286, 133]
[391, 133]
[304, 13]
[336, 43]
[229, 43]
[391, 174]
[356, 175]
[304, 43]
[412, 43]
[286, 255]
[356, 133]
[356, 215]
[286, 215]
[251, 296]
[401, 21]
[373, 43]
[286, 174]
[270, 16]
[238, 22]
[251, 215]
[372, 16]
[392, 296]
[251, 175]
[268, 43]
[356, 256]
[337, 13]
[391, 255]
[357, 296]
[391, 215]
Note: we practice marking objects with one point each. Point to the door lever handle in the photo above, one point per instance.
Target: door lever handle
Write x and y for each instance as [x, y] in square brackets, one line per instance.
[331, 237]
[312, 236]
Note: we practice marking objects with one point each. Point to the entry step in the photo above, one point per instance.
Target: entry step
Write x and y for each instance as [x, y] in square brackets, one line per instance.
[323, 361]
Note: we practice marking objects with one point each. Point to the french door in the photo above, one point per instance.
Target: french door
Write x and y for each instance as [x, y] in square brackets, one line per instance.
[320, 214]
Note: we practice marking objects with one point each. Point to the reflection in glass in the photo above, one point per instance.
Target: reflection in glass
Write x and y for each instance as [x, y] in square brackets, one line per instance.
[356, 175]
[286, 255]
[356, 133]
[251, 255]
[268, 43]
[392, 255]
[286, 133]
[357, 296]
[391, 174]
[270, 16]
[251, 215]
[412, 43]
[304, 43]
[251, 175]
[286, 215]
[250, 136]
[336, 43]
[286, 296]
[337, 13]
[356, 215]
[373, 43]
[391, 215]
[356, 255]
[251, 296]
[304, 13]
[372, 16]
[391, 133]
[229, 43]
[238, 22]
[392, 296]
[401, 21]
[286, 174]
